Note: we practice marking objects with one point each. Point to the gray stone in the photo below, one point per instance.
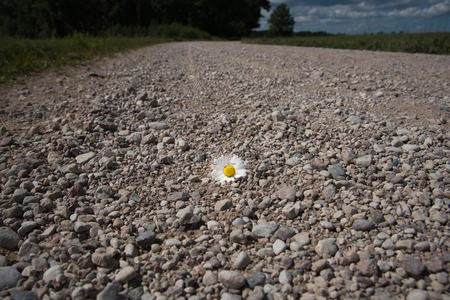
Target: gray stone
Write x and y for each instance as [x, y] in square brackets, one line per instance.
[146, 239]
[364, 161]
[367, 267]
[302, 238]
[286, 193]
[125, 274]
[8, 238]
[265, 229]
[327, 247]
[223, 205]
[52, 273]
[337, 171]
[232, 279]
[84, 158]
[292, 210]
[354, 119]
[104, 259]
[285, 277]
[229, 296]
[81, 227]
[9, 276]
[256, 279]
[110, 292]
[417, 295]
[413, 266]
[328, 192]
[19, 195]
[178, 196]
[241, 260]
[411, 147]
[278, 246]
[209, 278]
[27, 248]
[236, 236]
[22, 295]
[363, 225]
[284, 233]
[158, 125]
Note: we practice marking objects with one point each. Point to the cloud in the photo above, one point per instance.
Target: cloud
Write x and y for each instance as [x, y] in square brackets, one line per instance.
[372, 15]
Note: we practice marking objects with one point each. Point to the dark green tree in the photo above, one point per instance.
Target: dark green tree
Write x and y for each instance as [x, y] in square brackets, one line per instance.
[281, 21]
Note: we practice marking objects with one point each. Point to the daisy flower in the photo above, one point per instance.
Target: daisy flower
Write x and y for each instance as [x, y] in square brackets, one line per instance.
[228, 168]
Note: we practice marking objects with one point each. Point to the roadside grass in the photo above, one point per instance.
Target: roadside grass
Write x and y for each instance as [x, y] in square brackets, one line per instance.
[431, 43]
[19, 56]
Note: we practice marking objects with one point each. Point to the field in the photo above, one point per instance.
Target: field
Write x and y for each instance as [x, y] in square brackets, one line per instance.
[431, 43]
[22, 56]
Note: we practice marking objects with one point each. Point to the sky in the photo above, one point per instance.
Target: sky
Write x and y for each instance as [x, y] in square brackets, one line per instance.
[369, 16]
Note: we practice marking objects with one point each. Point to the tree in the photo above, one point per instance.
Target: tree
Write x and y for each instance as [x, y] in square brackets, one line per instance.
[281, 21]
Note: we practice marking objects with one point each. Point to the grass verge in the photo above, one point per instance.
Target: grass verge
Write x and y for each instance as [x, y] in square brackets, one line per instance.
[431, 43]
[19, 57]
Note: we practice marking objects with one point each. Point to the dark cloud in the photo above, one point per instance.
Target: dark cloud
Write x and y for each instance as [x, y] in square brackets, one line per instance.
[356, 16]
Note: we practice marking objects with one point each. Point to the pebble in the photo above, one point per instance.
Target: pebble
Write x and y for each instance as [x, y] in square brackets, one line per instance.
[52, 274]
[110, 292]
[417, 295]
[278, 246]
[231, 279]
[9, 239]
[111, 180]
[9, 277]
[125, 274]
[241, 261]
[363, 225]
[22, 295]
[264, 229]
[84, 158]
[146, 239]
[255, 279]
[327, 248]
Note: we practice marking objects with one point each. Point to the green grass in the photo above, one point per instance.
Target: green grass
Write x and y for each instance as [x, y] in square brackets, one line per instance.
[432, 43]
[19, 57]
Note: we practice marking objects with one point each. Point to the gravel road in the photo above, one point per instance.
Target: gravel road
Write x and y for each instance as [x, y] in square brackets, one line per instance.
[106, 189]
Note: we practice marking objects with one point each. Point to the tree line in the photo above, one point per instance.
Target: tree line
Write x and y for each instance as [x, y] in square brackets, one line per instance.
[59, 18]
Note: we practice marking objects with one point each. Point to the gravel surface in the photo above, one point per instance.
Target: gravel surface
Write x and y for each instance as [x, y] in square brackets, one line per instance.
[106, 190]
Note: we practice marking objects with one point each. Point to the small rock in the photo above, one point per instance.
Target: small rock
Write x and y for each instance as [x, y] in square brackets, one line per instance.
[81, 227]
[84, 158]
[278, 246]
[125, 275]
[158, 125]
[210, 278]
[286, 193]
[354, 120]
[146, 239]
[232, 279]
[291, 210]
[412, 266]
[411, 147]
[228, 296]
[364, 161]
[285, 277]
[223, 205]
[257, 278]
[363, 225]
[264, 229]
[302, 238]
[9, 276]
[241, 261]
[327, 247]
[52, 273]
[22, 295]
[337, 171]
[367, 267]
[417, 295]
[104, 259]
[110, 292]
[8, 238]
[178, 196]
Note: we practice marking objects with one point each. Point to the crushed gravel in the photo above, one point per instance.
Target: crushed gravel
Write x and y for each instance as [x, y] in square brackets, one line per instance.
[106, 190]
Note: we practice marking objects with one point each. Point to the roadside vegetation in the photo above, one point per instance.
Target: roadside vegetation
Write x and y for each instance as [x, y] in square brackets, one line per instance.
[431, 43]
[21, 56]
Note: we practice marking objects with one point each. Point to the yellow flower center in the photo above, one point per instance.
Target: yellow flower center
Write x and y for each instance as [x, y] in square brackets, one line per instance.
[229, 171]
